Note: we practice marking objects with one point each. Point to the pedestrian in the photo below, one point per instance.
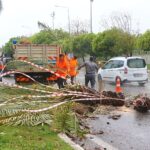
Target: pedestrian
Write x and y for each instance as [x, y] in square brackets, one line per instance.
[73, 68]
[91, 70]
[62, 70]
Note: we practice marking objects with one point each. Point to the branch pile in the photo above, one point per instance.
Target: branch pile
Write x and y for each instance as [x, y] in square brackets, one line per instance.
[142, 104]
[35, 109]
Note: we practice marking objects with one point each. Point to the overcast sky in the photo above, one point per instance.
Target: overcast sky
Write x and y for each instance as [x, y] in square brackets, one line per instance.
[19, 17]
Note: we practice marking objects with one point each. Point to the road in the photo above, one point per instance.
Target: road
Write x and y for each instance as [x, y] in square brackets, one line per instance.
[129, 89]
[130, 132]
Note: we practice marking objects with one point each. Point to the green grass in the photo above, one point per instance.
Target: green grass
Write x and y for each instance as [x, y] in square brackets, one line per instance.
[30, 138]
[27, 138]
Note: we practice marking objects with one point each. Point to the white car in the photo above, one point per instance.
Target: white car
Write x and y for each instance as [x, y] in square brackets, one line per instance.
[128, 69]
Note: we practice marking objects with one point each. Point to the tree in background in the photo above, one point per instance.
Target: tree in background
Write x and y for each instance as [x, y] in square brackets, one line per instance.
[79, 27]
[8, 48]
[143, 41]
[118, 20]
[66, 44]
[82, 45]
[49, 36]
[113, 42]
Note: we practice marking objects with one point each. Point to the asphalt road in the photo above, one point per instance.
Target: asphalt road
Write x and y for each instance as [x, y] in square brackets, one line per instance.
[129, 89]
[130, 132]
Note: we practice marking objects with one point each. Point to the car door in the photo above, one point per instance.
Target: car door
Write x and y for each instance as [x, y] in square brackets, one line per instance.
[117, 70]
[137, 69]
[106, 71]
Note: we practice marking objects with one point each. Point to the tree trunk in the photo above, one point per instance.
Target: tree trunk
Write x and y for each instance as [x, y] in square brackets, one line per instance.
[83, 58]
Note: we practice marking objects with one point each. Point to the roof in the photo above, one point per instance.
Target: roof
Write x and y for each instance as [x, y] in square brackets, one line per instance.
[124, 58]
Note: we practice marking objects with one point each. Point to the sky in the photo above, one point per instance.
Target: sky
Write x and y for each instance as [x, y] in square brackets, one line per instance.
[20, 17]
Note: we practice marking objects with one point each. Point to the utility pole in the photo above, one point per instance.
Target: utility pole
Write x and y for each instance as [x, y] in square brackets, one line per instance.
[53, 19]
[69, 22]
[91, 16]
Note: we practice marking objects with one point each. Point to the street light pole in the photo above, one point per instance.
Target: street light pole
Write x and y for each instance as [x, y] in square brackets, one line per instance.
[91, 16]
[69, 22]
[68, 11]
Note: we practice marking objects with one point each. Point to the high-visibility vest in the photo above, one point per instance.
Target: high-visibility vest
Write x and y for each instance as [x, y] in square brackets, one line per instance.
[62, 68]
[73, 67]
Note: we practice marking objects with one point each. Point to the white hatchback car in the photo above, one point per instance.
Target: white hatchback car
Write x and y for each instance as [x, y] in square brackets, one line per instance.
[128, 69]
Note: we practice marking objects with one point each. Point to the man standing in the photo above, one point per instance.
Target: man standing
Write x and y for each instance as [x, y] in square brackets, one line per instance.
[62, 70]
[91, 70]
[73, 66]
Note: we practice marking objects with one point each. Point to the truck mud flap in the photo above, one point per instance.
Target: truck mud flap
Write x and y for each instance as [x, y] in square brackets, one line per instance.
[42, 77]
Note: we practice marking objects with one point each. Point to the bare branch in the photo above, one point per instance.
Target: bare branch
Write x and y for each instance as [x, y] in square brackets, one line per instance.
[79, 27]
[119, 20]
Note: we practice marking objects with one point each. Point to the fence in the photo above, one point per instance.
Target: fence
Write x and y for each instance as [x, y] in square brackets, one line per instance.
[143, 54]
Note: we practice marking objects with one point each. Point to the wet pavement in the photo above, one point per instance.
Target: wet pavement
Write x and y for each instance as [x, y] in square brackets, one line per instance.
[130, 132]
[129, 89]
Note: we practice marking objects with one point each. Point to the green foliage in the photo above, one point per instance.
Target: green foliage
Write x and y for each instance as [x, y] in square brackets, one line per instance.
[30, 138]
[11, 112]
[66, 44]
[144, 41]
[113, 42]
[82, 44]
[8, 48]
[49, 36]
[109, 43]
[65, 120]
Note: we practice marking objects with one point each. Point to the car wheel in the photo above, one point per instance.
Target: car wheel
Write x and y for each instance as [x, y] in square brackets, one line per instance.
[141, 84]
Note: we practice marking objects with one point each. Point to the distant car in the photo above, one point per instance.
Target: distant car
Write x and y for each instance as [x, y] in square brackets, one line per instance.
[127, 69]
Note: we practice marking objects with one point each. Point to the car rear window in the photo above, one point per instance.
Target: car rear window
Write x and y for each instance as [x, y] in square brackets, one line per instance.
[136, 63]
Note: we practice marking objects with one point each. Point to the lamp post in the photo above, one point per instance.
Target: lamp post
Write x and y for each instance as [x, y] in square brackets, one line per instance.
[68, 11]
[91, 16]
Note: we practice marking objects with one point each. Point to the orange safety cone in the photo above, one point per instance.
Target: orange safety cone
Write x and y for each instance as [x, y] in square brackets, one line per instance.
[118, 86]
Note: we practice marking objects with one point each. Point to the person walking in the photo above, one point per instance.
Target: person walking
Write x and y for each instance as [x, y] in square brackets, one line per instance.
[73, 68]
[91, 70]
[62, 70]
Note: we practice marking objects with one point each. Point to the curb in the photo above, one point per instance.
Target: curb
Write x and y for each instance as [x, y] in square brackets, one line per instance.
[96, 141]
[67, 140]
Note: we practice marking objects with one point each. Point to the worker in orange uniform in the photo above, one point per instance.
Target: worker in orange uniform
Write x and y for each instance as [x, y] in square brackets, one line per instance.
[67, 61]
[62, 70]
[73, 68]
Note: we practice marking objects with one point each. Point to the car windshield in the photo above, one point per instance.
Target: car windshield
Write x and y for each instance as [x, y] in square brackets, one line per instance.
[114, 64]
[136, 63]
